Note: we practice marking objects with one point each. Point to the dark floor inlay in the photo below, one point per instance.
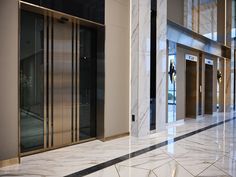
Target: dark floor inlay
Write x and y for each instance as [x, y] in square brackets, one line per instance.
[109, 163]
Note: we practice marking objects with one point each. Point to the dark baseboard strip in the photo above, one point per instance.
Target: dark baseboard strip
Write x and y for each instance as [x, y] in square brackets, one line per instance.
[109, 163]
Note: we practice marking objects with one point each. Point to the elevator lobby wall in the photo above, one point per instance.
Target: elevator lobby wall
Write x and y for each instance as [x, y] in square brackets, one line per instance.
[9, 82]
[117, 68]
[116, 76]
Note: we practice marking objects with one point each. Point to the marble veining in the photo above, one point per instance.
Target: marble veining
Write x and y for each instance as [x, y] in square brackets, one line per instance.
[161, 65]
[140, 67]
[191, 155]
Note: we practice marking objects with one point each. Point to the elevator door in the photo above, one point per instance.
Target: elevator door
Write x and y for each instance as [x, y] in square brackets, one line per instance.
[31, 82]
[58, 80]
[208, 89]
[88, 84]
[62, 82]
[191, 88]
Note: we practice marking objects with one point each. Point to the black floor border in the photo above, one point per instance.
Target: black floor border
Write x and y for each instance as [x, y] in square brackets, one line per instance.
[109, 163]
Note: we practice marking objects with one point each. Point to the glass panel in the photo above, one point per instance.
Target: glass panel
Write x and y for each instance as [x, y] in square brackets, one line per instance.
[31, 82]
[208, 18]
[87, 81]
[201, 17]
[153, 68]
[171, 82]
[171, 89]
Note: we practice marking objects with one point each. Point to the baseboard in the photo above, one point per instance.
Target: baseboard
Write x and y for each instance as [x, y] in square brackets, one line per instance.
[115, 136]
[8, 162]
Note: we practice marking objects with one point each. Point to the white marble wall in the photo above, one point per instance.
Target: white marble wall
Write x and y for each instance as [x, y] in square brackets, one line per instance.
[140, 66]
[161, 65]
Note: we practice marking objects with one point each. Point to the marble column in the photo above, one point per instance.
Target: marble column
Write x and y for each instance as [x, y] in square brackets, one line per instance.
[224, 20]
[140, 67]
[161, 65]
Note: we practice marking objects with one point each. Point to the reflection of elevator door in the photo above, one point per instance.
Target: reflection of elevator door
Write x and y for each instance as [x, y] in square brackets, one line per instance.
[191, 87]
[62, 82]
[208, 89]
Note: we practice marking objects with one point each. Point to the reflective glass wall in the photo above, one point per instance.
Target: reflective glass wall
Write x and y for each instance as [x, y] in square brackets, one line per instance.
[171, 81]
[88, 51]
[201, 17]
[32, 81]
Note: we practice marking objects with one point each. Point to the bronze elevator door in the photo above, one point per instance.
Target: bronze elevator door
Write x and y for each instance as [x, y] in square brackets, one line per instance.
[62, 82]
[208, 89]
[191, 89]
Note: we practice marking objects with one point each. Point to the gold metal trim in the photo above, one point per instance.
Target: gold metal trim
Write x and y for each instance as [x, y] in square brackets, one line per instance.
[40, 9]
[18, 80]
[45, 84]
[8, 162]
[78, 81]
[109, 138]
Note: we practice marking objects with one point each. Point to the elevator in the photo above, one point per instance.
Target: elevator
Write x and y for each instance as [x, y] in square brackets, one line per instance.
[59, 96]
[208, 86]
[191, 86]
[62, 81]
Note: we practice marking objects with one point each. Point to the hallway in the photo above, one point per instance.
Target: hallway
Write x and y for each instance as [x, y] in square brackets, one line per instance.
[203, 147]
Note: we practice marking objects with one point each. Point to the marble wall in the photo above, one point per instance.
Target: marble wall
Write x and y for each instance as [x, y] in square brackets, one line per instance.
[140, 66]
[161, 65]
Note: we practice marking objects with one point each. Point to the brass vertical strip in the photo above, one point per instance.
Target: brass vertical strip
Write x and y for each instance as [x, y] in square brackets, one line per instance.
[18, 80]
[77, 80]
[52, 60]
[72, 88]
[49, 82]
[74, 81]
[45, 82]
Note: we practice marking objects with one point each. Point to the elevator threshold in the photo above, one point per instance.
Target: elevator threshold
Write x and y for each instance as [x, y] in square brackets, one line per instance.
[54, 148]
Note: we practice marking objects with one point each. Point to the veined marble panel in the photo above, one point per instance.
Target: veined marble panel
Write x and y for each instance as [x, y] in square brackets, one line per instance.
[140, 67]
[68, 160]
[140, 79]
[161, 65]
[134, 63]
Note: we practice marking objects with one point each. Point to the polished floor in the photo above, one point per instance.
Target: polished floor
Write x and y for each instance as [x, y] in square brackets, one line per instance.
[205, 147]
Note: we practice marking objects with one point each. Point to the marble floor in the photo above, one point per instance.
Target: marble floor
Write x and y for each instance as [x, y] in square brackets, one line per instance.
[205, 147]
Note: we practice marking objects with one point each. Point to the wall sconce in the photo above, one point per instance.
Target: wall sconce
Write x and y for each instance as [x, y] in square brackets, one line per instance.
[219, 76]
[172, 71]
